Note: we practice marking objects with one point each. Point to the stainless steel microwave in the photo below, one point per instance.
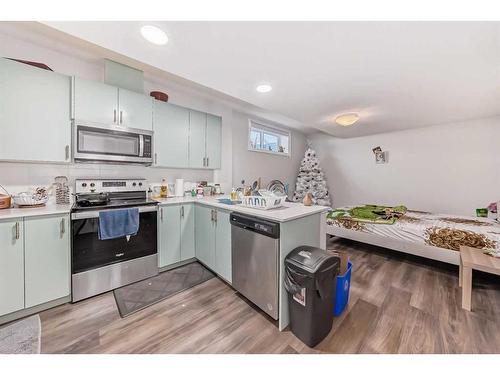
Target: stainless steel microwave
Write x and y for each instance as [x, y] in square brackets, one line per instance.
[111, 143]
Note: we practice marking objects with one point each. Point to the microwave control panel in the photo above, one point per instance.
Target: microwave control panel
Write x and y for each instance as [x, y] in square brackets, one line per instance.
[147, 147]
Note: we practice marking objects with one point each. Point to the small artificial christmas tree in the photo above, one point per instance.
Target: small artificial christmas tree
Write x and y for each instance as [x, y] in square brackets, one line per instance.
[311, 180]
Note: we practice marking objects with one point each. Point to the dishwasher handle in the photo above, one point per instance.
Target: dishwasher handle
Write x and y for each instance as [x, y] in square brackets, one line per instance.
[255, 224]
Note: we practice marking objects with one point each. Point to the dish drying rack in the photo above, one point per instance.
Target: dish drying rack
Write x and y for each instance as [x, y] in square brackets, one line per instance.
[265, 201]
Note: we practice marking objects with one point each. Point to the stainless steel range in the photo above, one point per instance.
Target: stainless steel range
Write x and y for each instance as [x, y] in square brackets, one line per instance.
[102, 265]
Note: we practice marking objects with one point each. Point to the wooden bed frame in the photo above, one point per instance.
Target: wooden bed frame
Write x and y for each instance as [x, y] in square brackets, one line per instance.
[426, 251]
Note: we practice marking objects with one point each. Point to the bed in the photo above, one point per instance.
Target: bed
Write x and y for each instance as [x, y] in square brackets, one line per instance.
[434, 236]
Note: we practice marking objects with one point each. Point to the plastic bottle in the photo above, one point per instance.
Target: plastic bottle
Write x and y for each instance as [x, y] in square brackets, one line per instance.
[234, 195]
[163, 189]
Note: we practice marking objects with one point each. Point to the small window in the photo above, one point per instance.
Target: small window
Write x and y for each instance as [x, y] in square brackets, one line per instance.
[264, 138]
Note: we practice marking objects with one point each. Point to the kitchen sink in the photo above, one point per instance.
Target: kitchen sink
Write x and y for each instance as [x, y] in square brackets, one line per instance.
[228, 201]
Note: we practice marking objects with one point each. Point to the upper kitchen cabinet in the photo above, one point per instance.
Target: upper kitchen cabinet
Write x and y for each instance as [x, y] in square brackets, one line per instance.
[171, 135]
[95, 102]
[99, 103]
[35, 121]
[197, 139]
[213, 141]
[205, 132]
[135, 110]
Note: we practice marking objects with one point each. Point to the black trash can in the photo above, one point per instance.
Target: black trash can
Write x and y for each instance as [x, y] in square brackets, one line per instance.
[310, 281]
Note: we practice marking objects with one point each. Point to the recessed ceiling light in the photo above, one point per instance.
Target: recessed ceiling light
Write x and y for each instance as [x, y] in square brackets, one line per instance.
[347, 119]
[154, 35]
[264, 88]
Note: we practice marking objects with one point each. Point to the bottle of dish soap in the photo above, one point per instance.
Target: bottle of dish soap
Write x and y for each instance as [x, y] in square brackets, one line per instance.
[234, 195]
[163, 189]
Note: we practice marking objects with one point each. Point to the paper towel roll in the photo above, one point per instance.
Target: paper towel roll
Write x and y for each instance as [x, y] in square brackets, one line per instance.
[179, 187]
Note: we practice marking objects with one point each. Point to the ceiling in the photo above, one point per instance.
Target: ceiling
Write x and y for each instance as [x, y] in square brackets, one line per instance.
[396, 75]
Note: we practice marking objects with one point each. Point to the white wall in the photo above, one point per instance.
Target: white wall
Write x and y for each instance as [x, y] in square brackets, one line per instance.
[250, 165]
[452, 168]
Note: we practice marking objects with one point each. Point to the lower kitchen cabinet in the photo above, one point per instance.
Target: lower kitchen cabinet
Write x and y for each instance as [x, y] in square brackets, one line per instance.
[47, 259]
[175, 233]
[34, 261]
[205, 235]
[169, 235]
[223, 265]
[11, 266]
[187, 232]
[213, 240]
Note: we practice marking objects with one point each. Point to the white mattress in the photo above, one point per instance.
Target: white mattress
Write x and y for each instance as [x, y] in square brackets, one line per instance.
[440, 230]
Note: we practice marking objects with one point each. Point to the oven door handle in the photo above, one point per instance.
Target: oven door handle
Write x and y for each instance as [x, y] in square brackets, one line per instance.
[95, 213]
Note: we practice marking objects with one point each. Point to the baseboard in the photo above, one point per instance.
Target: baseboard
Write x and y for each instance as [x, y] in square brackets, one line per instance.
[33, 310]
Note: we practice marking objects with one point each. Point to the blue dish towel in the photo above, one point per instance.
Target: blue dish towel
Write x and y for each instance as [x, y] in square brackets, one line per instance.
[118, 223]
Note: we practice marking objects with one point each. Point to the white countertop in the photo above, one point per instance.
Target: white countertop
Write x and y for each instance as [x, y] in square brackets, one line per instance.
[49, 209]
[289, 211]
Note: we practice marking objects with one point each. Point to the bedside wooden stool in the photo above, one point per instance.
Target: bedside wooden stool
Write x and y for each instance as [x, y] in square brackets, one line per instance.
[470, 259]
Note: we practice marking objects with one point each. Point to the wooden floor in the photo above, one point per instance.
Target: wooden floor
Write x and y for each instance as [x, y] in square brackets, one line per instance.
[398, 304]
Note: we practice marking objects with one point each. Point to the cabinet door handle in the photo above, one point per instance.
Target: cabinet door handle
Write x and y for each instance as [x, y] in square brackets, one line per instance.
[212, 215]
[203, 161]
[66, 152]
[182, 211]
[121, 117]
[215, 216]
[114, 116]
[63, 227]
[208, 163]
[161, 214]
[17, 230]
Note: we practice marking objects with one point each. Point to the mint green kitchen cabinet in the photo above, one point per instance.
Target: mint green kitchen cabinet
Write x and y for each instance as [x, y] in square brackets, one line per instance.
[197, 139]
[213, 240]
[175, 233]
[100, 103]
[47, 259]
[95, 102]
[171, 135]
[223, 265]
[205, 140]
[135, 110]
[11, 266]
[187, 232]
[169, 235]
[205, 235]
[213, 141]
[35, 121]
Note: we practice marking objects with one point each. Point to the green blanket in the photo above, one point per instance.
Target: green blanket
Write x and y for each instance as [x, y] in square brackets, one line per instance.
[369, 214]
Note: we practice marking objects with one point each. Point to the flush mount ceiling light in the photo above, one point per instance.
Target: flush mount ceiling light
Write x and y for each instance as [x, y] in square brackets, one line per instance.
[264, 88]
[154, 35]
[347, 119]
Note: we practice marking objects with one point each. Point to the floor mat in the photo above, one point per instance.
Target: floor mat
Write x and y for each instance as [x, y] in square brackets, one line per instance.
[137, 296]
[21, 337]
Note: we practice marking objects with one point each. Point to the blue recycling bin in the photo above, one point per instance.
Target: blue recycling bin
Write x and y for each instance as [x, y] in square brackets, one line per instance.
[343, 284]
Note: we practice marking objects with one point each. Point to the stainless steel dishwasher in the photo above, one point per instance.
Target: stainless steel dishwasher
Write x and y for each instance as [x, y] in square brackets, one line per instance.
[255, 260]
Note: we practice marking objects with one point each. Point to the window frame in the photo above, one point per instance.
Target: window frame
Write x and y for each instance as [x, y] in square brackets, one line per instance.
[272, 130]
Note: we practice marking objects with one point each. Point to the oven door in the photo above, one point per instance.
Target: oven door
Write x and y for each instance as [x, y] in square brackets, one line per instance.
[112, 144]
[88, 252]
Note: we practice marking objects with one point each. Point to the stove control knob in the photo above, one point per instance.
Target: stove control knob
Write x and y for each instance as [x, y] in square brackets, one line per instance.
[84, 184]
[140, 183]
[92, 184]
[134, 184]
